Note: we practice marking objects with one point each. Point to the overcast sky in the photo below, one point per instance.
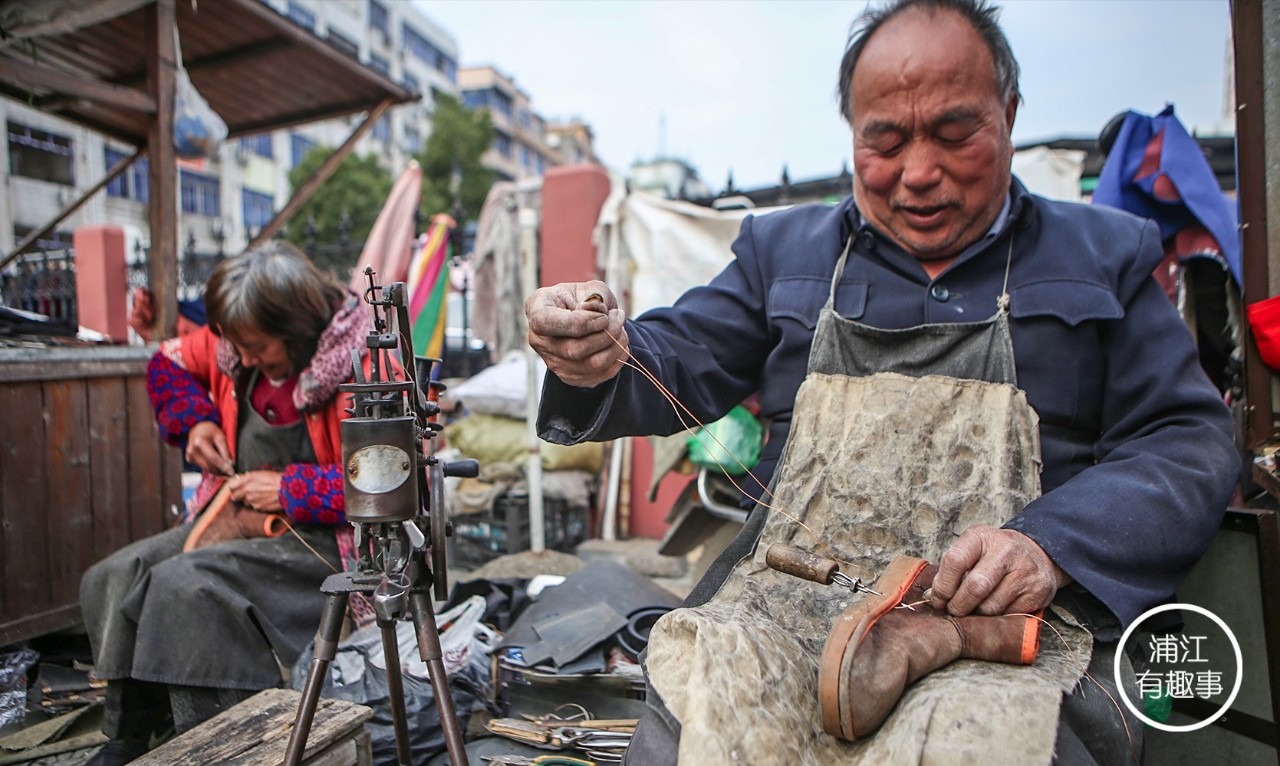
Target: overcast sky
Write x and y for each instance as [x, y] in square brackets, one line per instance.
[749, 85]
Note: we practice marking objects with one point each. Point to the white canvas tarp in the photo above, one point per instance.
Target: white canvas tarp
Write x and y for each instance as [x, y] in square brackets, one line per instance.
[655, 249]
[1052, 173]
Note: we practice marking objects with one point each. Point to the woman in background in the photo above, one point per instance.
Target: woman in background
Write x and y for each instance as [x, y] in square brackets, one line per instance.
[188, 622]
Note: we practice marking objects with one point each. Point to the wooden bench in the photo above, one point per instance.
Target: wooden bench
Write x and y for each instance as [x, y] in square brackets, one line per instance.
[256, 733]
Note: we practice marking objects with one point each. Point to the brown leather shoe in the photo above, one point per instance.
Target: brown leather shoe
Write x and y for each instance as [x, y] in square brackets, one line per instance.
[224, 519]
[874, 650]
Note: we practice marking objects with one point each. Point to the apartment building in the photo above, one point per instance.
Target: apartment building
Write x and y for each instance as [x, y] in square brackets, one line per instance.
[524, 144]
[227, 198]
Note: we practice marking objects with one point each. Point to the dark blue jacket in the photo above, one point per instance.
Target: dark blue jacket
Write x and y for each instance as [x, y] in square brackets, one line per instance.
[1137, 445]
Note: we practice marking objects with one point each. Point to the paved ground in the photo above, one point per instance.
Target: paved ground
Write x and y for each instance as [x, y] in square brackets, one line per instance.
[676, 575]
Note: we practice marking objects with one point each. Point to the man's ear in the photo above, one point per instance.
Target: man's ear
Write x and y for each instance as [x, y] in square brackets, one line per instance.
[1010, 113]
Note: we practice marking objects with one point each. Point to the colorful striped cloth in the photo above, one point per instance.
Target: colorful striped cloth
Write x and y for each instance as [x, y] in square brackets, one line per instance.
[428, 288]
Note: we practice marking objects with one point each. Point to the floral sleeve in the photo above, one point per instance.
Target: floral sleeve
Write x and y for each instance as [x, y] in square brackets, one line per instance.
[313, 494]
[178, 399]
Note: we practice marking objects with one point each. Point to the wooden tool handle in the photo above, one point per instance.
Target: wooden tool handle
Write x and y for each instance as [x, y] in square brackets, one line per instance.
[797, 562]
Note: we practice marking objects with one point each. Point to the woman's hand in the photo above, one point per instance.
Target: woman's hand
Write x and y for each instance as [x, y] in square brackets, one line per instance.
[259, 490]
[207, 448]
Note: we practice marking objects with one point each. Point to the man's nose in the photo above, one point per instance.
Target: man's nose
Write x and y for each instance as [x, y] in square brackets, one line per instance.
[921, 168]
[248, 360]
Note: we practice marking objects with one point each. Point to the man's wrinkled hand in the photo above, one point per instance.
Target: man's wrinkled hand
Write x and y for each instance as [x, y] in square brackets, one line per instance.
[259, 490]
[577, 329]
[993, 571]
[207, 449]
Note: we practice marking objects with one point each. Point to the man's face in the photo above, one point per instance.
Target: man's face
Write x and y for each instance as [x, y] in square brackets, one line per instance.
[931, 144]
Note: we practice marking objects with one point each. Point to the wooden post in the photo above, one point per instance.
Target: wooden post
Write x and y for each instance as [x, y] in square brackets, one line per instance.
[321, 175]
[1257, 58]
[163, 258]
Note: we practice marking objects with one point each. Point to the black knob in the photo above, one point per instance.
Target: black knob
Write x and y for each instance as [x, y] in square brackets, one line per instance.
[467, 469]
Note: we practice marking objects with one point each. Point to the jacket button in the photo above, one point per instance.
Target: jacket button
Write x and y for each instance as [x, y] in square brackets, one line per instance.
[940, 293]
[867, 240]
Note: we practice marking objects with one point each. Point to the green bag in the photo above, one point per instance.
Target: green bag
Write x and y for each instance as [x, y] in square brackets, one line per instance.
[735, 447]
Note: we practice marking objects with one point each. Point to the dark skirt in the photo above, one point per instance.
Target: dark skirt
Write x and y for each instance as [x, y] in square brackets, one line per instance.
[233, 616]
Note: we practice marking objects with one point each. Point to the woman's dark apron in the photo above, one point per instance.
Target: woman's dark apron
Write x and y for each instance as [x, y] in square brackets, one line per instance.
[230, 616]
[900, 440]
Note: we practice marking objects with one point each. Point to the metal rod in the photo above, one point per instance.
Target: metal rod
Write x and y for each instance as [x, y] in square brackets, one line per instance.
[424, 620]
[395, 691]
[326, 648]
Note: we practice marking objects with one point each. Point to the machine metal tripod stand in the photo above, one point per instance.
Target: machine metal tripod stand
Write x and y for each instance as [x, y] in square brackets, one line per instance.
[387, 476]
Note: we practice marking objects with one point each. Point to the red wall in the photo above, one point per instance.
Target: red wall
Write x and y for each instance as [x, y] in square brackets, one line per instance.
[101, 283]
[572, 196]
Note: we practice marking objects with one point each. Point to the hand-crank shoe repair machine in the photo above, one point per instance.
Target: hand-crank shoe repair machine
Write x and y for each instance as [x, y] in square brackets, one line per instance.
[387, 475]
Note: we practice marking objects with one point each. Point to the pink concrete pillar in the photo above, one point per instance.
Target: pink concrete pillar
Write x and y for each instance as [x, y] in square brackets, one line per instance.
[572, 196]
[102, 285]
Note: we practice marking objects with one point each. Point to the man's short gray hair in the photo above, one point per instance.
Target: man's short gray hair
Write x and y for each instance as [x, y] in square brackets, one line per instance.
[981, 15]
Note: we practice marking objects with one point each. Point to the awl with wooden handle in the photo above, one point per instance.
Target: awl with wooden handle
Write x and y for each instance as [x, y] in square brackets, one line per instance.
[798, 562]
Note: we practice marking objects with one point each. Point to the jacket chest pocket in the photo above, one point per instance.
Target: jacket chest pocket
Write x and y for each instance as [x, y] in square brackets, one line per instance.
[1071, 301]
[1058, 344]
[800, 299]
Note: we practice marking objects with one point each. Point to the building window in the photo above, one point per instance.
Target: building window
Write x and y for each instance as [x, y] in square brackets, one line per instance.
[39, 154]
[502, 143]
[411, 83]
[58, 240]
[140, 179]
[382, 129]
[118, 186]
[258, 209]
[200, 194]
[526, 158]
[412, 139]
[380, 63]
[259, 144]
[526, 122]
[500, 102]
[344, 44]
[299, 146]
[379, 20]
[429, 54]
[475, 99]
[302, 17]
[540, 164]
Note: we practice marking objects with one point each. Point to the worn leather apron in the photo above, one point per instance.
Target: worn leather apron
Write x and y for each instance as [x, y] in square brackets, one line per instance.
[900, 440]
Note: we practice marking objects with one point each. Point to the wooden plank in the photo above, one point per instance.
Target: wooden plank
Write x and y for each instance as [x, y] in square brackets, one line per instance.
[256, 733]
[108, 464]
[26, 627]
[22, 372]
[145, 464]
[24, 73]
[70, 508]
[326, 169]
[23, 503]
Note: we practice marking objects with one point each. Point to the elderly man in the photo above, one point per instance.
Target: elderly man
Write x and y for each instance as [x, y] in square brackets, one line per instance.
[941, 267]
